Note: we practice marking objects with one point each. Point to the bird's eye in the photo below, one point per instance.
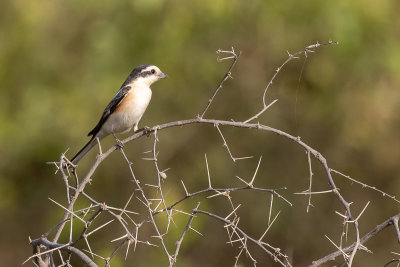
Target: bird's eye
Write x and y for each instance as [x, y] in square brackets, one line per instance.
[153, 71]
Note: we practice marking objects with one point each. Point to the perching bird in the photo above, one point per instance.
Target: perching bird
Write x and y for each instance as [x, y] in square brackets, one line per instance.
[126, 108]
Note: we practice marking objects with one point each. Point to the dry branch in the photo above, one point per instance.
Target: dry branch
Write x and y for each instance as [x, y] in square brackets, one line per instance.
[122, 216]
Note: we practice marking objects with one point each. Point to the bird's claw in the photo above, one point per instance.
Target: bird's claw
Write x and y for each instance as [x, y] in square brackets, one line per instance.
[119, 142]
[147, 131]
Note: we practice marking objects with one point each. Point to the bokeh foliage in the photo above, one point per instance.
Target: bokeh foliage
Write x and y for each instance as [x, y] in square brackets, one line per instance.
[62, 61]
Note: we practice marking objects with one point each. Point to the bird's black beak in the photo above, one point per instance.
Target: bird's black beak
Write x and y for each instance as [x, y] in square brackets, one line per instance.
[162, 75]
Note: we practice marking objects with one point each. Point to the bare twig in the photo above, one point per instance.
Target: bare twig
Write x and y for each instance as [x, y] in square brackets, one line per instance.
[154, 205]
[234, 159]
[179, 242]
[288, 59]
[227, 75]
[362, 240]
[66, 247]
[366, 186]
[282, 259]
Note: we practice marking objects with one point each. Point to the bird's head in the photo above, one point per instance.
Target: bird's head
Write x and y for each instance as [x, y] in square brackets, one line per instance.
[147, 74]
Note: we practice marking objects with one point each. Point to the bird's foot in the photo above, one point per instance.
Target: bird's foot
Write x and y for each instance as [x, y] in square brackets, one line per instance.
[119, 142]
[147, 130]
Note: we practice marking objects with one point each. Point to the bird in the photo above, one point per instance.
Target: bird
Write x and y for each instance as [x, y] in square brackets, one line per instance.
[126, 108]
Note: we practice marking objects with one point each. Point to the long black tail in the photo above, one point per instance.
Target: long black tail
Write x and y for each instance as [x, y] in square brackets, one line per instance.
[84, 150]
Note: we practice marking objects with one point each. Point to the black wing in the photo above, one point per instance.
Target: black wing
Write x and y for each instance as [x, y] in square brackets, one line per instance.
[121, 94]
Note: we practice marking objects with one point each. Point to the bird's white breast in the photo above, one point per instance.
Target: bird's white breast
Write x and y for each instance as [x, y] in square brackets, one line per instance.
[129, 112]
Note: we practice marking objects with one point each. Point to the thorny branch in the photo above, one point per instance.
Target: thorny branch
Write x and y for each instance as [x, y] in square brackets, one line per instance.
[391, 221]
[44, 250]
[242, 237]
[227, 75]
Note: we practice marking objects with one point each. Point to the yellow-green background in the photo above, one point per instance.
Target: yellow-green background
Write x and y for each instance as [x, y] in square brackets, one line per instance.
[62, 61]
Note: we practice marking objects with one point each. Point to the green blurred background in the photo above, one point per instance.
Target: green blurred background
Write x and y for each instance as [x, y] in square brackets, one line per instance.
[62, 61]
